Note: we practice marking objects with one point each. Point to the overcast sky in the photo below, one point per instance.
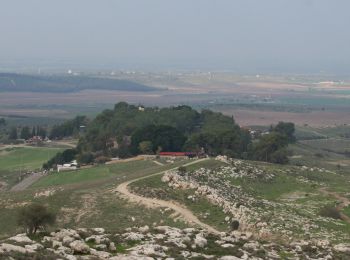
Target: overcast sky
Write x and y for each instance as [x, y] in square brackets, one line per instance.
[266, 35]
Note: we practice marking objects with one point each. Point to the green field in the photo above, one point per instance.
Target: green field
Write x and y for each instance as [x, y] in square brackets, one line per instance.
[17, 160]
[85, 198]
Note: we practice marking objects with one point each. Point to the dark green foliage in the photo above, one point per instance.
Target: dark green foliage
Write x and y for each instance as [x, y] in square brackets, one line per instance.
[168, 129]
[330, 212]
[68, 128]
[61, 158]
[25, 133]
[182, 169]
[146, 147]
[13, 133]
[166, 138]
[2, 122]
[265, 149]
[234, 225]
[272, 147]
[85, 158]
[287, 129]
[35, 217]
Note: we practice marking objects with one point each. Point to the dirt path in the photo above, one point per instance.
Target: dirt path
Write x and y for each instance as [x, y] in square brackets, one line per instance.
[25, 183]
[344, 202]
[158, 163]
[186, 214]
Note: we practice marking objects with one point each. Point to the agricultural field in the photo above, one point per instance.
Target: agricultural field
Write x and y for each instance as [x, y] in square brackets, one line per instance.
[251, 100]
[15, 161]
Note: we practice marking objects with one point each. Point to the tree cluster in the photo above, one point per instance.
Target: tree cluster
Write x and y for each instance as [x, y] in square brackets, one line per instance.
[272, 147]
[127, 130]
[68, 128]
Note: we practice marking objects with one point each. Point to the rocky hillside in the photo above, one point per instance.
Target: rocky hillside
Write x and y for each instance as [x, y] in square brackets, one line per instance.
[161, 242]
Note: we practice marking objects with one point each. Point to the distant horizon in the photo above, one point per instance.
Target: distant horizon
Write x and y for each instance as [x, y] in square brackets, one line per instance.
[245, 36]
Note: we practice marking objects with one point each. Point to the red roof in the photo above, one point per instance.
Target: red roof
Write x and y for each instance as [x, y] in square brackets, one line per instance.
[172, 153]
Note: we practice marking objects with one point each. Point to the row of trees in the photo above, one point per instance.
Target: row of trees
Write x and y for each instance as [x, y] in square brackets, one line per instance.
[68, 128]
[27, 132]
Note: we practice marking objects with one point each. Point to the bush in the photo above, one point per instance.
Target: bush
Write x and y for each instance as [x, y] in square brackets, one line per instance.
[101, 159]
[182, 169]
[85, 158]
[330, 212]
[234, 225]
[35, 217]
[280, 156]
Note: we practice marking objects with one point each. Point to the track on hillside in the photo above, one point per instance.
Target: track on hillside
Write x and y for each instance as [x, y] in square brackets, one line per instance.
[185, 213]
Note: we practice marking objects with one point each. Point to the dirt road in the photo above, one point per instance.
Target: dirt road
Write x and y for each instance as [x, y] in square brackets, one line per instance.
[186, 214]
[25, 183]
[344, 202]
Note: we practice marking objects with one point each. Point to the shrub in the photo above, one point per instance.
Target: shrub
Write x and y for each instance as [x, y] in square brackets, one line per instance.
[330, 212]
[234, 225]
[35, 217]
[85, 158]
[101, 159]
[182, 170]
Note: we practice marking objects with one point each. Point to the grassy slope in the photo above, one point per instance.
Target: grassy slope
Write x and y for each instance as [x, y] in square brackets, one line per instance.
[284, 186]
[85, 198]
[22, 159]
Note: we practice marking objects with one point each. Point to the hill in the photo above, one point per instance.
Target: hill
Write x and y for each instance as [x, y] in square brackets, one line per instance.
[11, 82]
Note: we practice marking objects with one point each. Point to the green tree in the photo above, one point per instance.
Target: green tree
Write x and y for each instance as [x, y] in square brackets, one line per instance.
[265, 149]
[146, 147]
[2, 122]
[287, 129]
[35, 217]
[25, 133]
[13, 133]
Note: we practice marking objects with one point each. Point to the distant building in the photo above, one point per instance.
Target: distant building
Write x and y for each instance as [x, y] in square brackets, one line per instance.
[73, 165]
[35, 140]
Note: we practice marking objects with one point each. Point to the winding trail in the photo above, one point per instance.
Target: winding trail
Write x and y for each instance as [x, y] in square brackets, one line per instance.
[344, 202]
[186, 214]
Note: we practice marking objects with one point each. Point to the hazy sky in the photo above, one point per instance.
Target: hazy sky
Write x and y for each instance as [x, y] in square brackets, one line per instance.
[266, 35]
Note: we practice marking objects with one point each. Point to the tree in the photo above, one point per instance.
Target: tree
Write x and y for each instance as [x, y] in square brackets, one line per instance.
[35, 217]
[61, 158]
[13, 133]
[25, 133]
[167, 137]
[2, 122]
[146, 147]
[268, 145]
[287, 129]
[34, 132]
[85, 158]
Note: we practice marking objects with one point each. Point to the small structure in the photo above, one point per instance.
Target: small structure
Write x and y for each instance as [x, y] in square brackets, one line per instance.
[178, 154]
[35, 140]
[73, 165]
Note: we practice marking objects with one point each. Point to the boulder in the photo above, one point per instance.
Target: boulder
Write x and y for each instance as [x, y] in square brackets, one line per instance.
[144, 229]
[229, 257]
[200, 241]
[4, 247]
[132, 236]
[22, 238]
[112, 246]
[342, 248]
[79, 247]
[100, 254]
